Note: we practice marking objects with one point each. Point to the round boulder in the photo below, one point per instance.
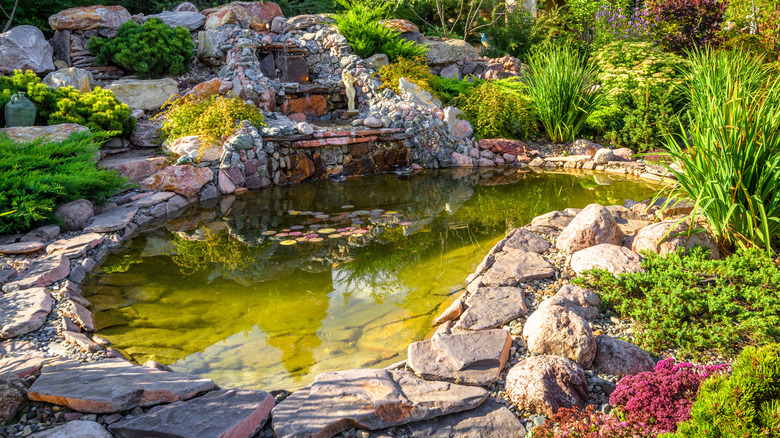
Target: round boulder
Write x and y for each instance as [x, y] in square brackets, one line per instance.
[544, 384]
[25, 48]
[558, 330]
[669, 236]
[592, 226]
[75, 77]
[75, 215]
[620, 358]
[613, 258]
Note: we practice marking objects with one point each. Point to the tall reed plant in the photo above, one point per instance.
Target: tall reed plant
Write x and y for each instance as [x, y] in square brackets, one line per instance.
[729, 162]
[560, 83]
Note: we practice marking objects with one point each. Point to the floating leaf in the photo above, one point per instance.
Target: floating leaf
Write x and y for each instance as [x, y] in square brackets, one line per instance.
[316, 239]
[295, 233]
[327, 231]
[300, 239]
[405, 223]
[322, 216]
[287, 242]
[268, 233]
[361, 212]
[344, 207]
[282, 235]
[310, 236]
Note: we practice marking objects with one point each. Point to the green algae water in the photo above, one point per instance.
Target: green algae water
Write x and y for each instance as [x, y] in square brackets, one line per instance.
[270, 288]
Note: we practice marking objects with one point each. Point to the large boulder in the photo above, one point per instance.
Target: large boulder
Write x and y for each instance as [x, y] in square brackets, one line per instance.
[584, 147]
[254, 15]
[525, 240]
[412, 93]
[13, 393]
[147, 95]
[185, 180]
[543, 384]
[135, 165]
[443, 51]
[74, 429]
[113, 385]
[555, 220]
[25, 134]
[474, 358]
[75, 77]
[616, 357]
[189, 20]
[583, 302]
[405, 28]
[503, 146]
[615, 259]
[669, 236]
[592, 226]
[75, 214]
[194, 148]
[223, 413]
[25, 48]
[368, 399]
[559, 330]
[89, 17]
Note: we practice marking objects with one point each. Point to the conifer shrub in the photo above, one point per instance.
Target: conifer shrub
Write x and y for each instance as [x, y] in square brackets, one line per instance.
[499, 108]
[99, 110]
[359, 23]
[644, 94]
[212, 118]
[151, 50]
[39, 176]
[662, 397]
[745, 404]
[696, 305]
[448, 89]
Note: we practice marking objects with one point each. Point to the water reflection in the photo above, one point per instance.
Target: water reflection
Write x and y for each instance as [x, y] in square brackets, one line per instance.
[219, 293]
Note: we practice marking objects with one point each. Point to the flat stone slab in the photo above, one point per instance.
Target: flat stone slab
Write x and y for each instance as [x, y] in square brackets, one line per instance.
[74, 429]
[113, 220]
[76, 246]
[474, 358]
[21, 247]
[24, 311]
[511, 268]
[225, 413]
[23, 366]
[489, 420]
[525, 240]
[615, 259]
[113, 386]
[42, 273]
[490, 307]
[154, 199]
[368, 399]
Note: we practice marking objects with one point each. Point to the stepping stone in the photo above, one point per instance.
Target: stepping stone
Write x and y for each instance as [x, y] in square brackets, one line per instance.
[489, 420]
[23, 366]
[224, 413]
[514, 267]
[24, 311]
[74, 429]
[615, 259]
[113, 220]
[76, 246]
[368, 399]
[21, 247]
[113, 385]
[491, 307]
[525, 240]
[42, 273]
[474, 358]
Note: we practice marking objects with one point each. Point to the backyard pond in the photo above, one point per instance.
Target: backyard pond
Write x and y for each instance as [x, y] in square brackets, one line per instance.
[270, 288]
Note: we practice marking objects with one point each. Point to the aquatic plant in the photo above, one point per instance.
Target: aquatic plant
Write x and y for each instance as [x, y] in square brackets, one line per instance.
[559, 82]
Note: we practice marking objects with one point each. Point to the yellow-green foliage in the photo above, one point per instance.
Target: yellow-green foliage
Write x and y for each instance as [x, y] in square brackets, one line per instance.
[98, 110]
[151, 50]
[499, 109]
[213, 117]
[414, 70]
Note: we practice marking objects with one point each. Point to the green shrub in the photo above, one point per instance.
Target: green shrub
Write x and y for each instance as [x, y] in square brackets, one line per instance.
[694, 304]
[514, 34]
[744, 404]
[414, 70]
[729, 163]
[559, 82]
[359, 24]
[448, 89]
[151, 50]
[644, 94]
[214, 117]
[499, 109]
[41, 175]
[98, 110]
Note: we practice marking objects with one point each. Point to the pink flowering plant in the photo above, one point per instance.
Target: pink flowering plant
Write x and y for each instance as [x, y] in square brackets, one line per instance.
[662, 397]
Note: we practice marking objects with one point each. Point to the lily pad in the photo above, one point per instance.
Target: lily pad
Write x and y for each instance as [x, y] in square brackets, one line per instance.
[294, 233]
[361, 212]
[282, 235]
[287, 242]
[322, 216]
[268, 233]
[316, 239]
[344, 207]
[327, 231]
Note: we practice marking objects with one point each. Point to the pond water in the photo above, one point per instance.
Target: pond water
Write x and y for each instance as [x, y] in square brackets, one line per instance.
[270, 288]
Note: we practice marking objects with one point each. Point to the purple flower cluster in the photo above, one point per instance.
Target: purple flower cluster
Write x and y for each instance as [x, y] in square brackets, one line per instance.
[615, 24]
[662, 397]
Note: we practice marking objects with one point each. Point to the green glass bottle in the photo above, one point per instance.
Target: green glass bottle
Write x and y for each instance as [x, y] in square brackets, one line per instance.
[19, 111]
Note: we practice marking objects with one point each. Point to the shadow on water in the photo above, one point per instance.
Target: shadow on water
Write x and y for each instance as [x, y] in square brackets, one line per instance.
[268, 289]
